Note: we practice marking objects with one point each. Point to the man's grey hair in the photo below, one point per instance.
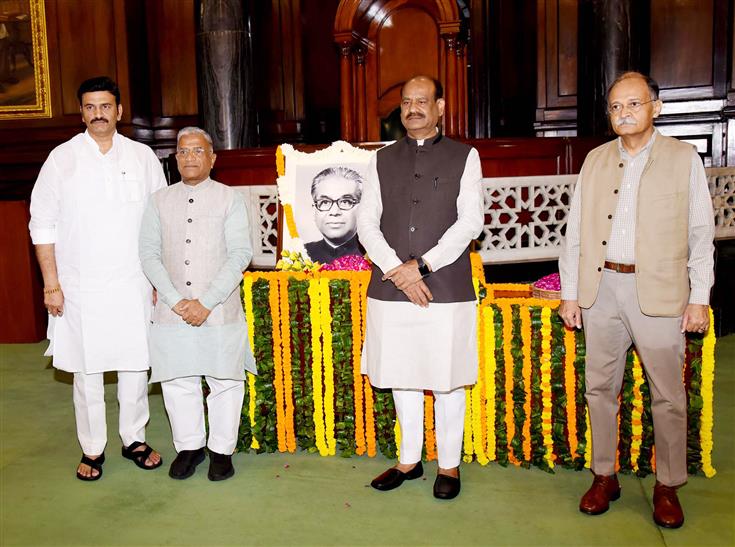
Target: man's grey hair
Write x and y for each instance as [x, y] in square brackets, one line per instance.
[341, 172]
[652, 84]
[191, 130]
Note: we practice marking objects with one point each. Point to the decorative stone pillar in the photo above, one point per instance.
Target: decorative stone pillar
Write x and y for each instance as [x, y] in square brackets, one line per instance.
[613, 38]
[224, 54]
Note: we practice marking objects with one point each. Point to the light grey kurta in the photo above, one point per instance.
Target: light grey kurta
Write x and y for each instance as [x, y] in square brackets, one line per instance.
[195, 244]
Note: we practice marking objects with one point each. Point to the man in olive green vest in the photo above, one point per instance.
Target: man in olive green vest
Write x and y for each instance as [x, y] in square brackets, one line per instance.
[637, 268]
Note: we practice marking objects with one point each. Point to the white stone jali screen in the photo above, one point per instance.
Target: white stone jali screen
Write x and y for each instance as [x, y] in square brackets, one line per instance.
[524, 216]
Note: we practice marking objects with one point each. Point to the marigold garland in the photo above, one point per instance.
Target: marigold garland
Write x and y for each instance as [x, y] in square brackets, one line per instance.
[478, 394]
[570, 384]
[397, 435]
[280, 162]
[289, 427]
[508, 358]
[273, 299]
[708, 377]
[316, 369]
[355, 304]
[429, 434]
[290, 222]
[637, 413]
[247, 289]
[546, 384]
[588, 439]
[526, 337]
[370, 439]
[328, 367]
[490, 364]
[467, 445]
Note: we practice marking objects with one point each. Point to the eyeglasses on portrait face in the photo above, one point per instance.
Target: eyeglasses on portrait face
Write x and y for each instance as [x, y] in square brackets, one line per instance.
[343, 204]
[197, 152]
[615, 109]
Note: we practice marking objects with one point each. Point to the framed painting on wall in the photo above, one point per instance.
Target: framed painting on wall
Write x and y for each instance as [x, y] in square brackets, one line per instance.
[24, 78]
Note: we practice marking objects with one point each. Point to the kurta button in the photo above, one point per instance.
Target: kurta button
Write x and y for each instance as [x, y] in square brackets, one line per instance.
[614, 192]
[187, 262]
[188, 283]
[609, 216]
[599, 269]
[191, 200]
[415, 201]
[188, 240]
[604, 243]
[417, 175]
[189, 220]
[621, 164]
[412, 229]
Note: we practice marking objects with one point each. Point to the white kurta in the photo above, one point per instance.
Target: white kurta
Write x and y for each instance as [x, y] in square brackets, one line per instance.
[90, 206]
[410, 347]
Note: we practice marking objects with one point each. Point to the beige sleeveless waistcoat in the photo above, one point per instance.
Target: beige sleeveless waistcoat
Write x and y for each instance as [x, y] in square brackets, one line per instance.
[662, 224]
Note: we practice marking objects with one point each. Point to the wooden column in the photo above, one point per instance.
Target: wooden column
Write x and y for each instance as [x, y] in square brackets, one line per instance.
[450, 85]
[360, 92]
[612, 40]
[461, 90]
[346, 92]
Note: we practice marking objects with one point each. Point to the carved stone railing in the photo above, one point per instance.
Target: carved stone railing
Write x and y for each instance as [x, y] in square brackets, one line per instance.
[524, 216]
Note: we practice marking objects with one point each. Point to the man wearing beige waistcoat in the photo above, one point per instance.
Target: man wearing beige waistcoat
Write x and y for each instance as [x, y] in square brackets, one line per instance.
[194, 246]
[637, 268]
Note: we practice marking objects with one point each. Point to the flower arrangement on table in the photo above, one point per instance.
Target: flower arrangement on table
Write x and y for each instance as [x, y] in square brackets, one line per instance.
[527, 408]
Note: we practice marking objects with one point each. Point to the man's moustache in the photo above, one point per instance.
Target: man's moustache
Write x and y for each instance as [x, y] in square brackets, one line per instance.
[625, 121]
[415, 115]
[99, 120]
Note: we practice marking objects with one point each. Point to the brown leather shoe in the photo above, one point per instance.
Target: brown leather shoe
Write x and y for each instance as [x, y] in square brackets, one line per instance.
[667, 510]
[597, 499]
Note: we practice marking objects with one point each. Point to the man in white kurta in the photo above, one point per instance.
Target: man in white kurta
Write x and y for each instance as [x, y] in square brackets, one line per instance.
[421, 207]
[194, 246]
[86, 209]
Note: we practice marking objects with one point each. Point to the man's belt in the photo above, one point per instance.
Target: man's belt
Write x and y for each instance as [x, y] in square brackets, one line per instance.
[620, 268]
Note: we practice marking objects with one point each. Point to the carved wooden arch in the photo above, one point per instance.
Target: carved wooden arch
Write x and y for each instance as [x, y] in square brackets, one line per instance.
[380, 49]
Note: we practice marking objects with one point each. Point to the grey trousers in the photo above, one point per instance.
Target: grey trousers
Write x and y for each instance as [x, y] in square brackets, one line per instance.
[612, 323]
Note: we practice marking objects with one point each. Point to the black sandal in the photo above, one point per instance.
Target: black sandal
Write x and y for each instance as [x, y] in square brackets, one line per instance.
[95, 464]
[140, 456]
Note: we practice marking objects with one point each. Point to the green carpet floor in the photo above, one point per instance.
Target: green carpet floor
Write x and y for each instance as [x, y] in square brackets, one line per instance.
[303, 499]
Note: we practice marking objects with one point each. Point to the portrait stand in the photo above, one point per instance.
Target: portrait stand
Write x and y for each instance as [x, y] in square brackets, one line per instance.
[296, 172]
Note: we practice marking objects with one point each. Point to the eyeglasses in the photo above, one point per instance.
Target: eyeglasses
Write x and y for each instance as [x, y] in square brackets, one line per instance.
[344, 204]
[183, 152]
[633, 106]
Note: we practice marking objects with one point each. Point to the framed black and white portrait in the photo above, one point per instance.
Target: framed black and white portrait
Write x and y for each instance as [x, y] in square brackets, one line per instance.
[320, 193]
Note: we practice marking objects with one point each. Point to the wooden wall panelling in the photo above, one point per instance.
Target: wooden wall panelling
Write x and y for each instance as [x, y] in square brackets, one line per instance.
[683, 48]
[23, 319]
[279, 46]
[557, 66]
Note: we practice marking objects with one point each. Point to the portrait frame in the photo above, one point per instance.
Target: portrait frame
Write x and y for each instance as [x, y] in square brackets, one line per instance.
[296, 170]
[11, 107]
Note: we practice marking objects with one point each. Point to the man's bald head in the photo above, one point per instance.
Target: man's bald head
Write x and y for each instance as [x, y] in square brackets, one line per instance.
[438, 89]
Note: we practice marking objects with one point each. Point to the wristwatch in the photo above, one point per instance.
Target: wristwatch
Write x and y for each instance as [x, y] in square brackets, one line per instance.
[423, 267]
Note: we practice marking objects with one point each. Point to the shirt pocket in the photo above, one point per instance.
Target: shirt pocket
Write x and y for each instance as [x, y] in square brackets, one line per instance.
[131, 187]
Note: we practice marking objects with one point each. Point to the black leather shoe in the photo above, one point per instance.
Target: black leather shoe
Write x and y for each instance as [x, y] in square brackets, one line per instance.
[446, 487]
[220, 467]
[393, 478]
[186, 463]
